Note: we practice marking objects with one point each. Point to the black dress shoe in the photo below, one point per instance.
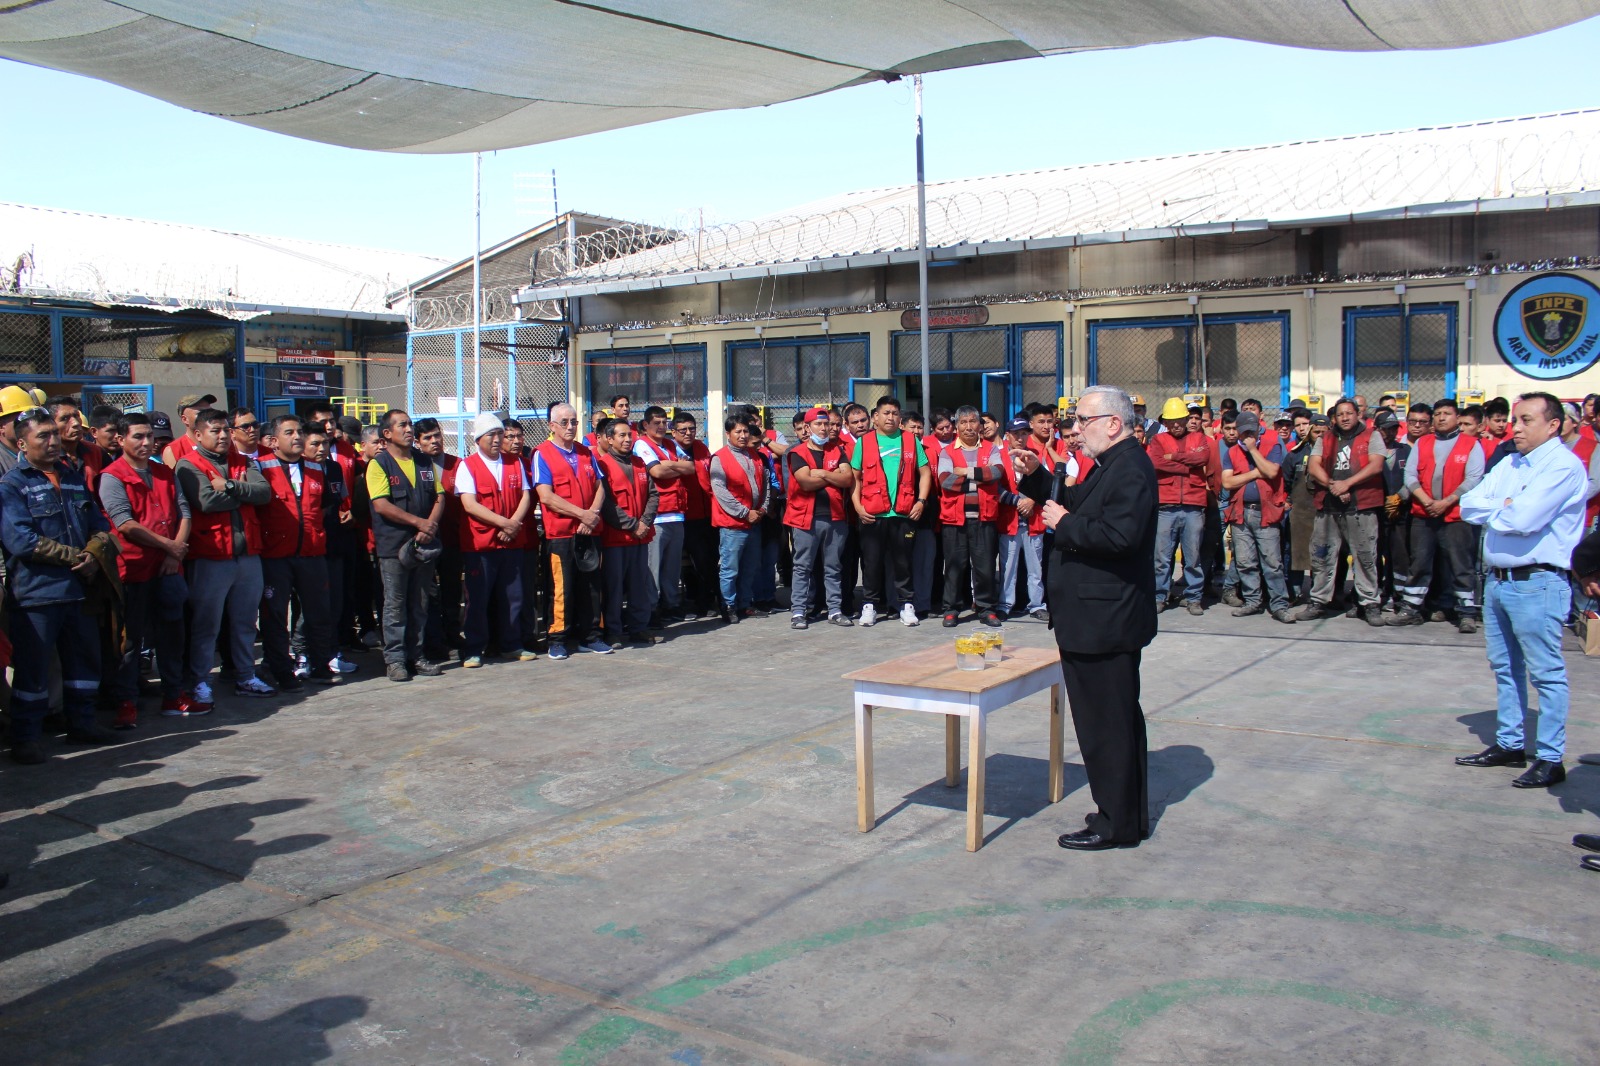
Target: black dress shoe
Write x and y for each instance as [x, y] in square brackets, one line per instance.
[1542, 774]
[1586, 841]
[1494, 755]
[28, 753]
[1089, 840]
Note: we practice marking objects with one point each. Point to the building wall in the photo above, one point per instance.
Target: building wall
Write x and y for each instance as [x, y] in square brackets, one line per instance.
[1229, 277]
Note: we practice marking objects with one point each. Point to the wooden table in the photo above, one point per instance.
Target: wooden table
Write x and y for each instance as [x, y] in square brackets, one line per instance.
[929, 681]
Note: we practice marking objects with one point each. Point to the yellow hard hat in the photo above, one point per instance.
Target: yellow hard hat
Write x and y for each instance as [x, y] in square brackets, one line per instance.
[14, 399]
[1175, 408]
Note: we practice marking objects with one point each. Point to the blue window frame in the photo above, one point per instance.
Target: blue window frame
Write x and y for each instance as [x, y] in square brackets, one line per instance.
[793, 373]
[1387, 349]
[1017, 365]
[1246, 356]
[665, 376]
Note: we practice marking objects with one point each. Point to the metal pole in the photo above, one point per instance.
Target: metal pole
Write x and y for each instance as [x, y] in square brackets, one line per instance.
[922, 257]
[477, 280]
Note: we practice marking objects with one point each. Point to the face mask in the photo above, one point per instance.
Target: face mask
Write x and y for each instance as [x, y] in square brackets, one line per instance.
[819, 441]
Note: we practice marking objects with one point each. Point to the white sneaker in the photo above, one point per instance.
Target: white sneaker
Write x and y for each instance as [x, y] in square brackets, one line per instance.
[908, 616]
[340, 665]
[869, 614]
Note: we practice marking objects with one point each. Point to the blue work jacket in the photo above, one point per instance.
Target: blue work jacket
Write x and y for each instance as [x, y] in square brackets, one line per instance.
[31, 508]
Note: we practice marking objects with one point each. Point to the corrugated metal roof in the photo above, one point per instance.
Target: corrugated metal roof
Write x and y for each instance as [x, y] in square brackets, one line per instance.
[46, 251]
[1504, 164]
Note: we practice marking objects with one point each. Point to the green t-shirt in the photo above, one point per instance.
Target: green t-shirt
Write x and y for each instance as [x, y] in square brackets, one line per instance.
[889, 453]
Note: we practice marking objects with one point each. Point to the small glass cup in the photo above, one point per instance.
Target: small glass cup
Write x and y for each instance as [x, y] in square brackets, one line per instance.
[969, 653]
[994, 642]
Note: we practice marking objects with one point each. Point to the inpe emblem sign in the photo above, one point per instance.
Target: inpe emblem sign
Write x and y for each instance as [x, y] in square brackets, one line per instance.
[1543, 328]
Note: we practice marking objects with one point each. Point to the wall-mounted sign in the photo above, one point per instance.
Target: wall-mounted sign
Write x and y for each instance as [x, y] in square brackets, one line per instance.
[1548, 328]
[944, 317]
[303, 382]
[108, 368]
[306, 356]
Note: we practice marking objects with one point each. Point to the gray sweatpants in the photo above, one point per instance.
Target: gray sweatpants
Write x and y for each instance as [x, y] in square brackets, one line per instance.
[215, 584]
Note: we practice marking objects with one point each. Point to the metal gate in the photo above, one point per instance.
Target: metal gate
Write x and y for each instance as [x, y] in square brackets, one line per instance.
[1246, 356]
[1019, 364]
[520, 369]
[1388, 350]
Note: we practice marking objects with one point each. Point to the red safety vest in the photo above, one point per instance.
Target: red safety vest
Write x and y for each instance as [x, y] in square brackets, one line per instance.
[739, 485]
[501, 498]
[801, 507]
[292, 526]
[92, 459]
[1274, 497]
[1455, 471]
[874, 485]
[211, 535]
[697, 490]
[1369, 494]
[1584, 450]
[155, 507]
[629, 485]
[182, 447]
[1006, 517]
[952, 502]
[1188, 489]
[1085, 464]
[671, 493]
[576, 488]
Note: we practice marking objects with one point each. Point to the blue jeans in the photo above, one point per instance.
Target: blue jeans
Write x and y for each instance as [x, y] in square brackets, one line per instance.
[1029, 548]
[739, 557]
[1258, 554]
[1180, 525]
[1522, 627]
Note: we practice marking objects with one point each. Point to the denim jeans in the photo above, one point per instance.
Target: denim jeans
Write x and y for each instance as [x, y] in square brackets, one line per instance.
[407, 597]
[1185, 526]
[1522, 628]
[1258, 553]
[739, 556]
[1027, 546]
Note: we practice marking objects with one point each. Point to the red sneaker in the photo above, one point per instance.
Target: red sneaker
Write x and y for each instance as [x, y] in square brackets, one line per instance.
[172, 707]
[127, 715]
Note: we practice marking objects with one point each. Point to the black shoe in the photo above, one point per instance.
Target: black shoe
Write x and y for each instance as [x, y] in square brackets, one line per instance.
[291, 684]
[993, 619]
[94, 734]
[950, 619]
[1586, 841]
[1494, 755]
[1089, 840]
[1542, 774]
[646, 640]
[729, 616]
[1283, 616]
[398, 672]
[799, 622]
[427, 668]
[1311, 612]
[1406, 615]
[840, 620]
[1247, 610]
[1040, 614]
[323, 677]
[28, 753]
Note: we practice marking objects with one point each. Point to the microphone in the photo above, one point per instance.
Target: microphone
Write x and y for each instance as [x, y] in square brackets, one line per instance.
[1057, 477]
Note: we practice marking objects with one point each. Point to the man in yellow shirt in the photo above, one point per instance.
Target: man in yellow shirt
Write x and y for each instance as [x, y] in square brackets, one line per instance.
[406, 507]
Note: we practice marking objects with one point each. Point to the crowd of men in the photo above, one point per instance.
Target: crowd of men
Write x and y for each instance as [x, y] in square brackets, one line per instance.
[139, 552]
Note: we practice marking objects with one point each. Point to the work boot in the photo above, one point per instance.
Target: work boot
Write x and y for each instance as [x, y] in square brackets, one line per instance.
[1406, 615]
[1468, 624]
[398, 672]
[1311, 612]
[1283, 616]
[1231, 598]
[1245, 610]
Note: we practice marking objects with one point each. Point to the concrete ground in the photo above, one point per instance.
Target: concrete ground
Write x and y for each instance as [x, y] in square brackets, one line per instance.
[652, 857]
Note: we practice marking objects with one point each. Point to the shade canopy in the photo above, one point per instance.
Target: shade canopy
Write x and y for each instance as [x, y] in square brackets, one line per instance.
[422, 76]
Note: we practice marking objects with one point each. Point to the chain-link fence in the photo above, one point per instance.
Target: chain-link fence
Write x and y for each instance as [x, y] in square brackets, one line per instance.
[520, 371]
[25, 344]
[1392, 351]
[790, 376]
[109, 347]
[1244, 357]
